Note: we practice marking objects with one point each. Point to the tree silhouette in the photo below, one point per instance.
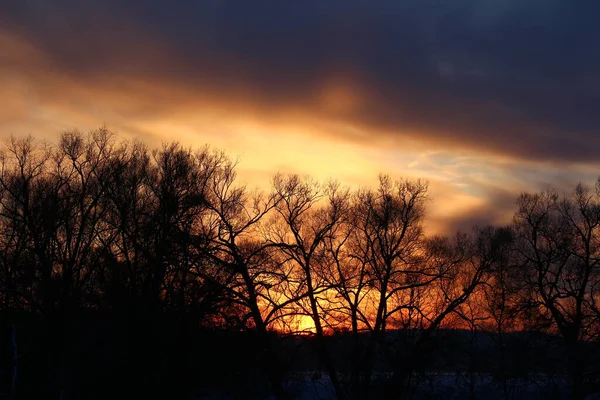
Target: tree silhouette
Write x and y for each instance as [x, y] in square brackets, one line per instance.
[558, 249]
[124, 271]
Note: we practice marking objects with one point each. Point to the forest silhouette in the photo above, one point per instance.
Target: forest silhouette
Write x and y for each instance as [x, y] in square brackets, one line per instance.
[129, 272]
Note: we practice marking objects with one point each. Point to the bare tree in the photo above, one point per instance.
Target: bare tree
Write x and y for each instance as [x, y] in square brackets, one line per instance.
[81, 168]
[129, 202]
[231, 244]
[501, 295]
[390, 235]
[154, 245]
[29, 212]
[309, 217]
[559, 256]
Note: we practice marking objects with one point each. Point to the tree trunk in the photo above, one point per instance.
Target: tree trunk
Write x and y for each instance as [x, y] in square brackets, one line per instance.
[271, 364]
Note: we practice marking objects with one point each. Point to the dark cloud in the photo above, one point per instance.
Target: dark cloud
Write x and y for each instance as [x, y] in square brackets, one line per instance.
[512, 77]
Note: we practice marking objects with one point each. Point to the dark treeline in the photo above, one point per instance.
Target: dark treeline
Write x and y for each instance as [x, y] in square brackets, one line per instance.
[127, 272]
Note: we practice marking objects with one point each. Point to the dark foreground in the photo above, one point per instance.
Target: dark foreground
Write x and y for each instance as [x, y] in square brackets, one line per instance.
[126, 355]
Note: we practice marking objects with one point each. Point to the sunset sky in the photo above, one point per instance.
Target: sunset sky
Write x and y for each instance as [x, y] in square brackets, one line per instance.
[484, 98]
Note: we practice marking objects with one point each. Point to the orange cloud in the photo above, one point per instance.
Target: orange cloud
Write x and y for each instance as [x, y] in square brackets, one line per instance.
[329, 123]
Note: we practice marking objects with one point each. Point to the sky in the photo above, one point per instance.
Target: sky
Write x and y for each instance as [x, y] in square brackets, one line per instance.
[483, 98]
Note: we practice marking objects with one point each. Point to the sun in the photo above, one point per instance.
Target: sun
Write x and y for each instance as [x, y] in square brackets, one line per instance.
[304, 324]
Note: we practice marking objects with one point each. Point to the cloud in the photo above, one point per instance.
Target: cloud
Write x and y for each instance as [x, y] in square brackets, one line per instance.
[497, 207]
[483, 98]
[500, 77]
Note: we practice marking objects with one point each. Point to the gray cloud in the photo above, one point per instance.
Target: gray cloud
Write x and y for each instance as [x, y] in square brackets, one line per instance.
[504, 77]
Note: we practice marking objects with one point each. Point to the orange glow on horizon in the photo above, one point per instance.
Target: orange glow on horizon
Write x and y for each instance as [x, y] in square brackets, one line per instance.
[305, 325]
